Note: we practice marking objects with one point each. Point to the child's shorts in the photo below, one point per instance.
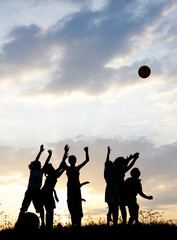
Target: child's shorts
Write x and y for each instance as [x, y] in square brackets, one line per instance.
[32, 195]
[112, 197]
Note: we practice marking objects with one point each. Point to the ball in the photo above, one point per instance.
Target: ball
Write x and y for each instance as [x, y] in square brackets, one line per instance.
[27, 222]
[144, 71]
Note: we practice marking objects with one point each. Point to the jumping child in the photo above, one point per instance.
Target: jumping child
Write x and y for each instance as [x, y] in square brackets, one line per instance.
[48, 191]
[132, 187]
[33, 192]
[74, 197]
[121, 166]
[111, 195]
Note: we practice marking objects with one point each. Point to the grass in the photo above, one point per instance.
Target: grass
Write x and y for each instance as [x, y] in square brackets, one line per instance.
[153, 226]
[145, 231]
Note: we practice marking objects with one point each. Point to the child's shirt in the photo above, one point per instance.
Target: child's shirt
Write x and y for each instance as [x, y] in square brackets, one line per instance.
[50, 182]
[73, 176]
[110, 178]
[73, 185]
[35, 179]
[131, 188]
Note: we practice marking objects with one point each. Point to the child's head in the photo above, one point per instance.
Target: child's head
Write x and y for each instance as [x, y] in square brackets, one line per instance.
[35, 164]
[135, 173]
[72, 160]
[119, 163]
[48, 169]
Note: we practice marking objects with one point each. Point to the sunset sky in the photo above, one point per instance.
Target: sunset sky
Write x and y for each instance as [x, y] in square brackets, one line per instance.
[68, 75]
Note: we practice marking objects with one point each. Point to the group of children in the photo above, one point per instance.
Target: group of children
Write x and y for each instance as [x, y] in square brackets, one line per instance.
[46, 196]
[119, 193]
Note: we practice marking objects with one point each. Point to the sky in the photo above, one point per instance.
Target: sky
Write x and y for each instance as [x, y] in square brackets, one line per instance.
[69, 75]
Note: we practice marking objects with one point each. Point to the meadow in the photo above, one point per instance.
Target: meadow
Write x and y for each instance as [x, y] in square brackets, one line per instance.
[152, 226]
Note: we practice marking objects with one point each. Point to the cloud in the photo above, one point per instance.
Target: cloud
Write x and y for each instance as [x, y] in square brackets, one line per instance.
[17, 179]
[14, 163]
[91, 40]
[27, 51]
[135, 123]
[73, 53]
[157, 164]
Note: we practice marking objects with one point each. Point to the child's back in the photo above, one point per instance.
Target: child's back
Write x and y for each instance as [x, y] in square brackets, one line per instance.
[130, 189]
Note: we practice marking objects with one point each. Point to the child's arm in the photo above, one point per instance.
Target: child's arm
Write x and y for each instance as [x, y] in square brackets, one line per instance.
[144, 195]
[40, 151]
[60, 172]
[84, 183]
[134, 157]
[87, 158]
[108, 154]
[128, 159]
[48, 158]
[63, 163]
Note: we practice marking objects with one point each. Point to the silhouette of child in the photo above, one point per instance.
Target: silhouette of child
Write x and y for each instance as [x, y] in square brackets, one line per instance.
[74, 198]
[121, 166]
[48, 189]
[33, 192]
[111, 194]
[132, 187]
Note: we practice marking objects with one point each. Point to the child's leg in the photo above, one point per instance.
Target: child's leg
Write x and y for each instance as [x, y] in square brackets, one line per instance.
[136, 212]
[115, 214]
[124, 213]
[26, 202]
[110, 211]
[72, 212]
[78, 221]
[133, 210]
[38, 204]
[49, 219]
[79, 214]
[42, 217]
[132, 213]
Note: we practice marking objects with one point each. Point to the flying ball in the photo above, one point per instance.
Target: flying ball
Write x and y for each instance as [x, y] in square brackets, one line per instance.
[144, 71]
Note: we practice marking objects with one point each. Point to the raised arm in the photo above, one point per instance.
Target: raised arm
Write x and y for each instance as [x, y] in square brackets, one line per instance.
[108, 154]
[63, 163]
[133, 158]
[60, 172]
[40, 151]
[48, 158]
[86, 160]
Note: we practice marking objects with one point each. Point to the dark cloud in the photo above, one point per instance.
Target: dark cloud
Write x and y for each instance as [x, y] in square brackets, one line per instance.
[28, 50]
[87, 40]
[92, 39]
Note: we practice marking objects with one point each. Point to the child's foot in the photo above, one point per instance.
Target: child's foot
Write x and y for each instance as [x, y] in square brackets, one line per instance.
[43, 228]
[138, 223]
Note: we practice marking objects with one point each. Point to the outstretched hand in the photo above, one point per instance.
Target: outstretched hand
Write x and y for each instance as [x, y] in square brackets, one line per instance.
[50, 152]
[128, 158]
[66, 148]
[86, 149]
[136, 155]
[150, 197]
[109, 149]
[42, 148]
[84, 183]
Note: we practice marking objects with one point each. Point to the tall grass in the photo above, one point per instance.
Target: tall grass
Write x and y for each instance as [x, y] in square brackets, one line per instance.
[151, 221]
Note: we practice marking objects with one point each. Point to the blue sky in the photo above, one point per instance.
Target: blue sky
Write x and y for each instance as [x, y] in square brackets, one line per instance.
[68, 74]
